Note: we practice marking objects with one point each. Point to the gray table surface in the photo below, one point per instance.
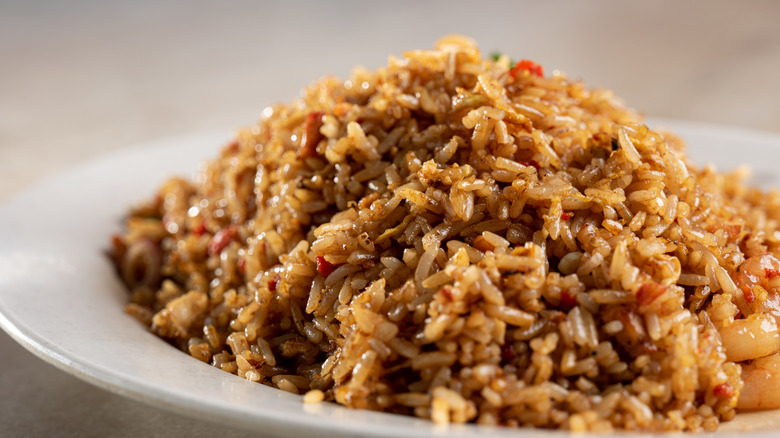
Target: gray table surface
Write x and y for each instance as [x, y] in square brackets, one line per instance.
[84, 78]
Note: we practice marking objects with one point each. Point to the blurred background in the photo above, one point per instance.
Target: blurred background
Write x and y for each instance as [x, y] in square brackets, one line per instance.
[83, 78]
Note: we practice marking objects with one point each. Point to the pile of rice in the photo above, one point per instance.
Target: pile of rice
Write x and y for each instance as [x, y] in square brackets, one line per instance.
[458, 239]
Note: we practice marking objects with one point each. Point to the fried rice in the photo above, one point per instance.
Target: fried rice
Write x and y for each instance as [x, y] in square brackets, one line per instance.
[466, 239]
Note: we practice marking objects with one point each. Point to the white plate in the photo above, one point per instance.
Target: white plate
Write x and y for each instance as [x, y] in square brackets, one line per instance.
[60, 299]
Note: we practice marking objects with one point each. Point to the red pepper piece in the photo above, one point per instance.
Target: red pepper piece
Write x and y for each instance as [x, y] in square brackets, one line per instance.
[272, 284]
[508, 352]
[568, 299]
[565, 216]
[242, 266]
[724, 390]
[199, 229]
[531, 163]
[771, 273]
[222, 239]
[649, 292]
[748, 293]
[526, 65]
[324, 267]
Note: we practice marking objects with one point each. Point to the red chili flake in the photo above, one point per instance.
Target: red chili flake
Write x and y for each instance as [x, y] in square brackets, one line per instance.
[324, 267]
[531, 163]
[568, 299]
[649, 292]
[242, 266]
[508, 352]
[272, 284]
[565, 216]
[526, 65]
[724, 390]
[200, 229]
[446, 292]
[772, 273]
[222, 239]
[748, 293]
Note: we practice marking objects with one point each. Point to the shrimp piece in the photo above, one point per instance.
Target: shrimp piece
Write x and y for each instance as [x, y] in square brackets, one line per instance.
[762, 380]
[750, 338]
[758, 278]
[757, 336]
